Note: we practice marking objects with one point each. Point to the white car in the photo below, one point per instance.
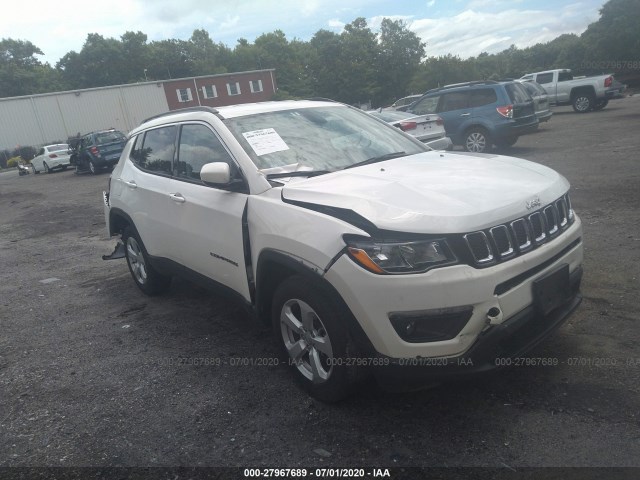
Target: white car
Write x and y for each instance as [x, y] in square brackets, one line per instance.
[366, 251]
[51, 157]
[426, 128]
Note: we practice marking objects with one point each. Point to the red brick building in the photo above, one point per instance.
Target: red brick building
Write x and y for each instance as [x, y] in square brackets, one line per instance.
[220, 90]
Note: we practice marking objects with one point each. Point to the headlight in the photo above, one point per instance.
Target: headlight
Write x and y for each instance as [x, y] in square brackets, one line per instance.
[394, 257]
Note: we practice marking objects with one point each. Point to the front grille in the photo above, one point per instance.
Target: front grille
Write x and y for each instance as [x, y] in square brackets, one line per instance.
[506, 241]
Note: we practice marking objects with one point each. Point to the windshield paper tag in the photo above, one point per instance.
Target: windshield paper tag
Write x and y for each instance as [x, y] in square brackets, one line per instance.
[265, 141]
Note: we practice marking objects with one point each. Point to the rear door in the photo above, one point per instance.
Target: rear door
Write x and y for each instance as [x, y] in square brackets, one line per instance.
[145, 181]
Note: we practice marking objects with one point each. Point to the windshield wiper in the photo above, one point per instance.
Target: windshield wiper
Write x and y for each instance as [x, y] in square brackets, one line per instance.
[380, 158]
[300, 173]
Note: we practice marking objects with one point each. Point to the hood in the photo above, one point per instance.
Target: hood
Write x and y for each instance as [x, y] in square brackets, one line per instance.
[434, 192]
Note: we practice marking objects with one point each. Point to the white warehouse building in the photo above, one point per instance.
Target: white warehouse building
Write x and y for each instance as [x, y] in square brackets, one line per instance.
[36, 120]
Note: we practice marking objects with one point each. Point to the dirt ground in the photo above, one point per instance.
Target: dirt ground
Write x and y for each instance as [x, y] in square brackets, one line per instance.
[93, 373]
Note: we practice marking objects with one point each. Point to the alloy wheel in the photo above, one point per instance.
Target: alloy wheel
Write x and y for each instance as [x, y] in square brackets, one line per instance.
[136, 261]
[306, 340]
[476, 142]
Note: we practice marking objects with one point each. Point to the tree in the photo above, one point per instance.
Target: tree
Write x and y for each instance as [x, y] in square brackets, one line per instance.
[615, 37]
[401, 52]
[357, 61]
[206, 56]
[19, 68]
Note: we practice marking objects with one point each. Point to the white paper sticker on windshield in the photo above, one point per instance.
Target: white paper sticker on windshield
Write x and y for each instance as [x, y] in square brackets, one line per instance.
[265, 141]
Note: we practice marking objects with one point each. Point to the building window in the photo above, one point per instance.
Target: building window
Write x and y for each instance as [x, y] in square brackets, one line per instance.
[184, 95]
[233, 89]
[256, 86]
[209, 91]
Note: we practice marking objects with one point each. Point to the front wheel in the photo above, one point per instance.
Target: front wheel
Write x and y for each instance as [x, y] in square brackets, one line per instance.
[146, 277]
[309, 325]
[477, 140]
[583, 102]
[33, 167]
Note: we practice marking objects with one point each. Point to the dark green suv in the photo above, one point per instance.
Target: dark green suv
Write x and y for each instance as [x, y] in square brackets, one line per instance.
[97, 150]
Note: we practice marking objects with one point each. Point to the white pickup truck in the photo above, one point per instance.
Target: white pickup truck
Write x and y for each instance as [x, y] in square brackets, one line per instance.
[584, 93]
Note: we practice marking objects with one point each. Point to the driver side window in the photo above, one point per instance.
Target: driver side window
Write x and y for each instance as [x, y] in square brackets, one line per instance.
[426, 106]
[199, 146]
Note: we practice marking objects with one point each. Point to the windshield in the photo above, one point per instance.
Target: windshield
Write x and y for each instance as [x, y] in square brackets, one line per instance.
[319, 138]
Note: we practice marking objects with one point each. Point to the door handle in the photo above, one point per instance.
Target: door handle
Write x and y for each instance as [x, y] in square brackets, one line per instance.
[130, 183]
[465, 114]
[177, 197]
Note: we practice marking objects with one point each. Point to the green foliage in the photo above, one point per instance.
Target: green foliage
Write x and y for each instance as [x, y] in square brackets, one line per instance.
[357, 65]
[13, 162]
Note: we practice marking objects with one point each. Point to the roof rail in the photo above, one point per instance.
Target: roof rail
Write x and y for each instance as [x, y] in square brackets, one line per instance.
[182, 110]
[469, 84]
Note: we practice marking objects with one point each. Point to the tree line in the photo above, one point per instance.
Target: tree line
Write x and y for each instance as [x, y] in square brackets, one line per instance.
[358, 65]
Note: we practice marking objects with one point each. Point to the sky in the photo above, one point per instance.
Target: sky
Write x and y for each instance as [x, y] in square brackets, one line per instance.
[458, 27]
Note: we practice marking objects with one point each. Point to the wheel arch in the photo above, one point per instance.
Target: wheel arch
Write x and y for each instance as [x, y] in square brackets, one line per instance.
[587, 89]
[273, 267]
[118, 221]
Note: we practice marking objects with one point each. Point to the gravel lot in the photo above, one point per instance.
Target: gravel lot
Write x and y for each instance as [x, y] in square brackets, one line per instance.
[90, 369]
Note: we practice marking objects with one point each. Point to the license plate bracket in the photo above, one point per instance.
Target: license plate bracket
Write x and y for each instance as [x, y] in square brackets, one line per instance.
[552, 290]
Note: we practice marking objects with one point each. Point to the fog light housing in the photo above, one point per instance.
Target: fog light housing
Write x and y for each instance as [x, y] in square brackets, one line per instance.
[430, 325]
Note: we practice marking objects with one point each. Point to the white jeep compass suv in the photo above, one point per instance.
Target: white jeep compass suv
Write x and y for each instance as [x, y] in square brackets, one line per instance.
[367, 251]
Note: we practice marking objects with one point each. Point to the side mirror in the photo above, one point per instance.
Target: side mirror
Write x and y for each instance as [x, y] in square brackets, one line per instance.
[216, 173]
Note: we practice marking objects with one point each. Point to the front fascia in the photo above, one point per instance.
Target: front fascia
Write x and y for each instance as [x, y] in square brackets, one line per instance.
[371, 298]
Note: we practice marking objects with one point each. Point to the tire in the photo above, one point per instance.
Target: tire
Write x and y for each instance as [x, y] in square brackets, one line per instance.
[92, 168]
[33, 168]
[46, 167]
[309, 325]
[600, 104]
[144, 275]
[583, 102]
[477, 140]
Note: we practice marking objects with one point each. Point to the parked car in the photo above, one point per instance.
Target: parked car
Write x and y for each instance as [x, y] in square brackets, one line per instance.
[480, 114]
[404, 102]
[540, 99]
[584, 94]
[366, 251]
[97, 150]
[426, 128]
[50, 158]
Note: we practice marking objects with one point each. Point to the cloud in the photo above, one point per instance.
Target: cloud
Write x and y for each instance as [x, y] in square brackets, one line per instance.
[471, 32]
[336, 24]
[431, 3]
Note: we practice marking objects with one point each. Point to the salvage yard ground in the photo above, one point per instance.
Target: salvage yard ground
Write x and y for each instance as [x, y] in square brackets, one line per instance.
[93, 373]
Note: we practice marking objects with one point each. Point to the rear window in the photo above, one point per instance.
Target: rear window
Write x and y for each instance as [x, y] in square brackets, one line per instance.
[109, 137]
[517, 93]
[58, 148]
